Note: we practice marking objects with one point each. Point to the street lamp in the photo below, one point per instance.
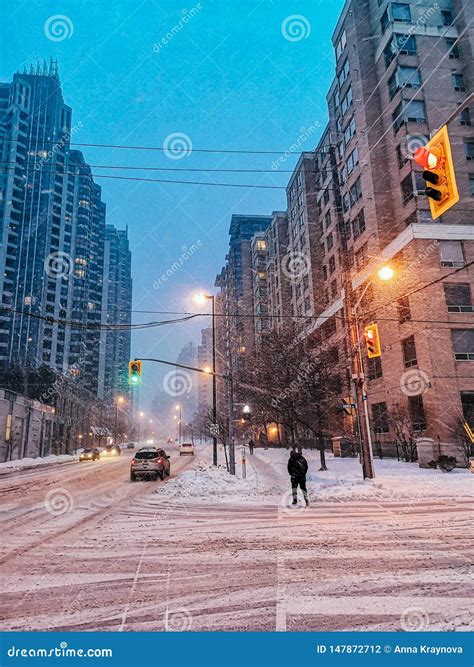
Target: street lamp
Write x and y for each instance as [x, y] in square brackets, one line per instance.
[201, 299]
[384, 273]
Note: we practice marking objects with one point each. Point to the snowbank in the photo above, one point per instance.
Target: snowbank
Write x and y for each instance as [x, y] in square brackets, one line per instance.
[393, 479]
[26, 464]
[210, 482]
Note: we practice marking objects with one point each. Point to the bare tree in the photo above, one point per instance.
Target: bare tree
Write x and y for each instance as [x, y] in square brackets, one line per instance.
[399, 419]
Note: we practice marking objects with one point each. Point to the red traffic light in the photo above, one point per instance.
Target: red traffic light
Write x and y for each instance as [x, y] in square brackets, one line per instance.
[426, 158]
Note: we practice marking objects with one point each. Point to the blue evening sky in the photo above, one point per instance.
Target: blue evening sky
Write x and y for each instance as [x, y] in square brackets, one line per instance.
[228, 79]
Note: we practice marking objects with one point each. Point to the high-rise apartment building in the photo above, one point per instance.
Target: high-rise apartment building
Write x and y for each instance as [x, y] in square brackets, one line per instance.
[52, 236]
[279, 279]
[117, 288]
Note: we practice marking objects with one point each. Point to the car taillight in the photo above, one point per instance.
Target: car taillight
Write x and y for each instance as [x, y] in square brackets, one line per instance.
[133, 462]
[159, 460]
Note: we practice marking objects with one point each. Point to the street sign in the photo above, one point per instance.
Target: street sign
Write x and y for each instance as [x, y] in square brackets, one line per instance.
[348, 406]
[214, 429]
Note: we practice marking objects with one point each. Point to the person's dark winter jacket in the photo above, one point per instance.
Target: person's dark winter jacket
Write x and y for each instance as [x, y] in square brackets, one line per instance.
[297, 465]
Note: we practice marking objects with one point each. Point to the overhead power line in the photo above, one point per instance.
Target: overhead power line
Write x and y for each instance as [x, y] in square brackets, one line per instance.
[164, 149]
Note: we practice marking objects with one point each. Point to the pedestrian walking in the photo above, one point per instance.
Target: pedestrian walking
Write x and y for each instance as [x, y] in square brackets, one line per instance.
[297, 469]
[251, 445]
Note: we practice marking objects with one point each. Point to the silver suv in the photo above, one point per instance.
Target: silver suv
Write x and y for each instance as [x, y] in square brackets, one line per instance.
[150, 462]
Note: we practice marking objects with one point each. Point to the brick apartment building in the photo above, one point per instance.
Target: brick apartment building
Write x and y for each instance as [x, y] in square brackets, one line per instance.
[358, 202]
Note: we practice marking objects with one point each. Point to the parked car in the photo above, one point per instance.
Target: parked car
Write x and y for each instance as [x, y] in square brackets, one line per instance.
[150, 462]
[130, 445]
[186, 448]
[111, 450]
[89, 455]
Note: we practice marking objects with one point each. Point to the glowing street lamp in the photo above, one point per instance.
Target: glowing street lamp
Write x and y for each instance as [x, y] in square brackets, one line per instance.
[386, 273]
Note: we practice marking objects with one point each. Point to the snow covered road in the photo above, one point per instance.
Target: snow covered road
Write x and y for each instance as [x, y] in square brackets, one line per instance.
[85, 549]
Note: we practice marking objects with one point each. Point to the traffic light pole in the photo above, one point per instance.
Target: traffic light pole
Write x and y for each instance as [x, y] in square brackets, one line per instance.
[367, 449]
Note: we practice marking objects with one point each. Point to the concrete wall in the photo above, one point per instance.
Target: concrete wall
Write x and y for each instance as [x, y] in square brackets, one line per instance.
[25, 427]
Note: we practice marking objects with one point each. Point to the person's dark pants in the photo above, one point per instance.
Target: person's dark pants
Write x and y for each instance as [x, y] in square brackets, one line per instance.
[301, 482]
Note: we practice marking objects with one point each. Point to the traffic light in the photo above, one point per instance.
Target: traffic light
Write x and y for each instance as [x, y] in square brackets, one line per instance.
[372, 341]
[134, 372]
[437, 162]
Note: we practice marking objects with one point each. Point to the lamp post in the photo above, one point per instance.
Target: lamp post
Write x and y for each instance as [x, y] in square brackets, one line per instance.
[384, 273]
[118, 400]
[201, 299]
[180, 414]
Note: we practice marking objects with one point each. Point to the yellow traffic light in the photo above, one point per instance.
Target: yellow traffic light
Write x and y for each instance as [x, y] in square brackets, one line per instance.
[134, 372]
[437, 161]
[372, 340]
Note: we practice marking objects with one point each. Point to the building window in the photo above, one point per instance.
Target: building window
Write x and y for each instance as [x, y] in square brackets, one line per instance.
[407, 189]
[342, 78]
[469, 150]
[409, 352]
[399, 45]
[358, 224]
[465, 117]
[261, 245]
[408, 112]
[355, 191]
[332, 264]
[453, 48]
[379, 417]
[374, 368]
[341, 45]
[401, 12]
[346, 101]
[330, 241]
[458, 82]
[447, 17]
[458, 297]
[451, 254]
[403, 309]
[471, 184]
[417, 413]
[334, 289]
[463, 344]
[404, 77]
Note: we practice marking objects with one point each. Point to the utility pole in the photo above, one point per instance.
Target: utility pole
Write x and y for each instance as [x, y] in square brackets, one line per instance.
[230, 389]
[214, 383]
